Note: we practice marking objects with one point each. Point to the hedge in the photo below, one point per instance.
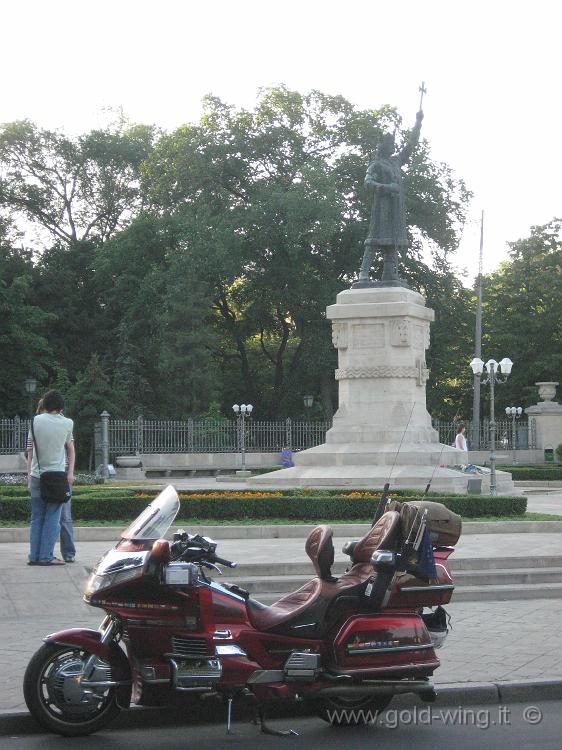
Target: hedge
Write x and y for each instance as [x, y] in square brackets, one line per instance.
[321, 508]
[21, 490]
[534, 472]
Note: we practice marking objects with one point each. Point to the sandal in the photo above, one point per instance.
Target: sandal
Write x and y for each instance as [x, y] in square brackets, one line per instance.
[54, 561]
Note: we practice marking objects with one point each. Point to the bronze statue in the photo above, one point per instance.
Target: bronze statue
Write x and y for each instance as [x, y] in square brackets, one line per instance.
[387, 226]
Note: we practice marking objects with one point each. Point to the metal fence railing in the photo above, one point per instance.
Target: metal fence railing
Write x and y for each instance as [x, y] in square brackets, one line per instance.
[131, 436]
[525, 436]
[13, 435]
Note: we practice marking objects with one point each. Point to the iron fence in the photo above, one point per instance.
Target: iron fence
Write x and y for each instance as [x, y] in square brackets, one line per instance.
[525, 434]
[131, 436]
[13, 435]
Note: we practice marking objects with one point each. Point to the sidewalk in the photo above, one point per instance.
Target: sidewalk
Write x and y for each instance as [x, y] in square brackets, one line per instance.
[490, 641]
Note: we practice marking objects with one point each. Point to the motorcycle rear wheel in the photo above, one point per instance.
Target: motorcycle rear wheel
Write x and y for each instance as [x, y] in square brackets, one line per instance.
[346, 712]
[55, 697]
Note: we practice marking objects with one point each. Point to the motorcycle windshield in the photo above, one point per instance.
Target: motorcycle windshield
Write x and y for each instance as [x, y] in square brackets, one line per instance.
[156, 519]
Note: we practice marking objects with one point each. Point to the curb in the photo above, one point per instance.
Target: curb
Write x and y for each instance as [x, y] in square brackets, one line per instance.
[448, 694]
[289, 531]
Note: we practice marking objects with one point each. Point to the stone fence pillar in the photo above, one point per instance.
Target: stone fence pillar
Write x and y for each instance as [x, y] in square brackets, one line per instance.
[105, 444]
[548, 417]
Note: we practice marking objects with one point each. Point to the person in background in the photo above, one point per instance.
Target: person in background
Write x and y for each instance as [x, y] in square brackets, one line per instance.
[67, 548]
[460, 440]
[287, 458]
[55, 446]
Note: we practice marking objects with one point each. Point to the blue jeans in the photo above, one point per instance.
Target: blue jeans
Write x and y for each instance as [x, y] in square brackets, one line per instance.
[45, 525]
[67, 548]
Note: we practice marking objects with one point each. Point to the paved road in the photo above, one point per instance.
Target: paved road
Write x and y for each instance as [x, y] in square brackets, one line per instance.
[419, 726]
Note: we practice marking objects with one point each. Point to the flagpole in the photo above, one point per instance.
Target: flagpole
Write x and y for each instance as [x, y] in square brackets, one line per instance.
[478, 346]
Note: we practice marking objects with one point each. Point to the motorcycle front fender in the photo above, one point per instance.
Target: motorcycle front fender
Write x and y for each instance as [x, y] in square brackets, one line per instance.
[90, 641]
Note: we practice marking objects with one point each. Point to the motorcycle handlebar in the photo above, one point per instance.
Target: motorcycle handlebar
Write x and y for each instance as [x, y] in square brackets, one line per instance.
[222, 561]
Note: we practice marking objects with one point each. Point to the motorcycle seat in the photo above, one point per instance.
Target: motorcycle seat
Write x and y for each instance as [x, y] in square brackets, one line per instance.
[312, 599]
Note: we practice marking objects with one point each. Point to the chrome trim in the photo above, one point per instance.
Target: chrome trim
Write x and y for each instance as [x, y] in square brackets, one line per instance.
[437, 587]
[388, 650]
[222, 635]
[230, 649]
[106, 636]
[109, 632]
[263, 676]
[202, 679]
[308, 625]
[106, 683]
[352, 671]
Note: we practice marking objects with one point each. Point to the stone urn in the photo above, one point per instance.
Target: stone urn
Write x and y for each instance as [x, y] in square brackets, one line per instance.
[547, 391]
[128, 462]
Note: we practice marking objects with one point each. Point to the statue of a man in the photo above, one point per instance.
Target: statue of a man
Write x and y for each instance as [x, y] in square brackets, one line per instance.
[387, 227]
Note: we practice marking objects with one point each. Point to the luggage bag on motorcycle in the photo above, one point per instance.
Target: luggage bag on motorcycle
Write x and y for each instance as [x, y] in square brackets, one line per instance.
[443, 525]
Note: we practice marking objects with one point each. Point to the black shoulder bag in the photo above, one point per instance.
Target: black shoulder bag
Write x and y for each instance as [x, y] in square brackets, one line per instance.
[54, 484]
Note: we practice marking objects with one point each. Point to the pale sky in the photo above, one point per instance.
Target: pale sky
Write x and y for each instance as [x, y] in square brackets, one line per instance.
[493, 71]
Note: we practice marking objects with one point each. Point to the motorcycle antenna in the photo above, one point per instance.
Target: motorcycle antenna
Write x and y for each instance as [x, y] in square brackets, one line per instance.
[434, 470]
[384, 496]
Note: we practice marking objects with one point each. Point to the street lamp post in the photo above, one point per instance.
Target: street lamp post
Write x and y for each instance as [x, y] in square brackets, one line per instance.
[514, 412]
[242, 411]
[308, 401]
[30, 385]
[493, 370]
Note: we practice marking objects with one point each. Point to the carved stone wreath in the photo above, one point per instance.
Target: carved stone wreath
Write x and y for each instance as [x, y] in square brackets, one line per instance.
[382, 371]
[420, 372]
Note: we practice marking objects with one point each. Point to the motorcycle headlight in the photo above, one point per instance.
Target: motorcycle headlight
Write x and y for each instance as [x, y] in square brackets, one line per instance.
[98, 582]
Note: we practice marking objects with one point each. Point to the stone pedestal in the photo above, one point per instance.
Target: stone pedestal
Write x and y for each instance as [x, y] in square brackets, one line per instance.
[548, 417]
[382, 430]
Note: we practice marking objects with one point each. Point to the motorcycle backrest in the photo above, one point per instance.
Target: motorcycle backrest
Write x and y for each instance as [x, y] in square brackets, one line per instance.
[382, 535]
[320, 548]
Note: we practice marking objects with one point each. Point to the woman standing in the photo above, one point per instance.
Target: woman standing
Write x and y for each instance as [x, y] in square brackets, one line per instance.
[460, 440]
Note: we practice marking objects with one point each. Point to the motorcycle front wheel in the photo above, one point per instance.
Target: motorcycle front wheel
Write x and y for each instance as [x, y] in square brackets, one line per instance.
[353, 711]
[55, 697]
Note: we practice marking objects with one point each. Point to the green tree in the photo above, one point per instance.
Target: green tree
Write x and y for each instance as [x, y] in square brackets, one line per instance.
[273, 200]
[67, 287]
[24, 347]
[522, 314]
[90, 395]
[81, 189]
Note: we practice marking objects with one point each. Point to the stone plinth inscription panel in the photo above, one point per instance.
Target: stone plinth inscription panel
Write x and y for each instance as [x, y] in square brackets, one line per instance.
[367, 335]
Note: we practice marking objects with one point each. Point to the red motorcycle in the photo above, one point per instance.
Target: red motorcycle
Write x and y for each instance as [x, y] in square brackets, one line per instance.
[344, 644]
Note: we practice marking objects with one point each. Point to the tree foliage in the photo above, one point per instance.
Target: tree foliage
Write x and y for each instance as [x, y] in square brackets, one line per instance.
[273, 205]
[174, 271]
[24, 326]
[523, 313]
[74, 189]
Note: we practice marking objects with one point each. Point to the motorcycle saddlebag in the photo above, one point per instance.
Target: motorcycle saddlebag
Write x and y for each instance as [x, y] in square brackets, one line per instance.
[394, 644]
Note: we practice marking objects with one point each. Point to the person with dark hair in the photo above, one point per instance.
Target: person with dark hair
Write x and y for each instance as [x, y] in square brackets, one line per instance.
[52, 449]
[460, 440]
[67, 548]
